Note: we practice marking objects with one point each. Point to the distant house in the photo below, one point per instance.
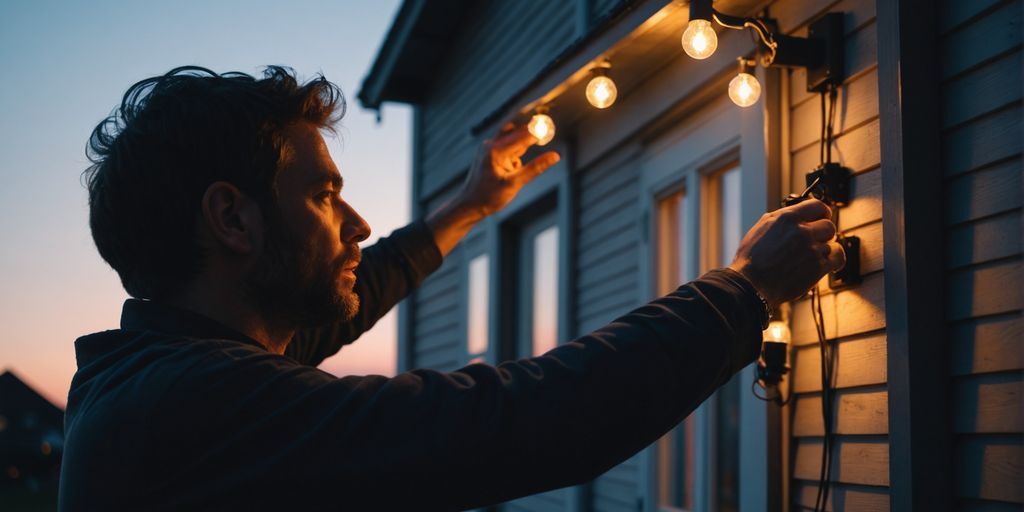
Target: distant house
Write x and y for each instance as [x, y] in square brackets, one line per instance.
[31, 436]
[659, 187]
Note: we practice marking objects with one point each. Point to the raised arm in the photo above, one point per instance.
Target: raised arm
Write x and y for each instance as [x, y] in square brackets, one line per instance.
[389, 271]
[396, 265]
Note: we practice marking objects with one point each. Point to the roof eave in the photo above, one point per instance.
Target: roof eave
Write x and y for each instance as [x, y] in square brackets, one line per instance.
[372, 91]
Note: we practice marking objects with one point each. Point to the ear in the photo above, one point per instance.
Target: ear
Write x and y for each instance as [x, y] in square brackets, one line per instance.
[232, 219]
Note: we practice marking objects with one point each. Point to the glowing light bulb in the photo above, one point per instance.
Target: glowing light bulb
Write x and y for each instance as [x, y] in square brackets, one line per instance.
[699, 39]
[774, 353]
[601, 91]
[542, 127]
[777, 332]
[744, 90]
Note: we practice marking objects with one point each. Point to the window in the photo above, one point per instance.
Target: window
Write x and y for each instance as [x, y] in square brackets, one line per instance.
[536, 286]
[676, 449]
[724, 231]
[545, 291]
[478, 302]
[532, 282]
[697, 463]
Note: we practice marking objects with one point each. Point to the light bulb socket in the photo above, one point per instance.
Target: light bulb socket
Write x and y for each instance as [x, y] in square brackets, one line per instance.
[601, 67]
[746, 65]
[772, 365]
[701, 10]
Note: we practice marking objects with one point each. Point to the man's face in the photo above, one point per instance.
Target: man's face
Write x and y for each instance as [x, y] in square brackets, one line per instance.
[305, 274]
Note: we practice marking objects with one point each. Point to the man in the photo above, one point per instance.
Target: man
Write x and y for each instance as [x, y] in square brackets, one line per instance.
[215, 200]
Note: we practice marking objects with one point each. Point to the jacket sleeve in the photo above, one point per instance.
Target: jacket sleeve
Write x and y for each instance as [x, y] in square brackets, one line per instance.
[428, 440]
[389, 271]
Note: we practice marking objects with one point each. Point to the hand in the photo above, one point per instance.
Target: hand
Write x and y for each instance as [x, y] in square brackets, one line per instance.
[789, 250]
[498, 173]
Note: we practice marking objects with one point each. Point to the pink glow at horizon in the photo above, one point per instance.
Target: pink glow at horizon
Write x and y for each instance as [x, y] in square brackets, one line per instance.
[68, 65]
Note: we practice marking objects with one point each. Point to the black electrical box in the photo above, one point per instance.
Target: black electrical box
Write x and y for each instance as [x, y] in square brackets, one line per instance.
[827, 32]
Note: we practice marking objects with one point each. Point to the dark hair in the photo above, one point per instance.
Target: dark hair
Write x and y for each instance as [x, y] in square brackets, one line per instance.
[174, 135]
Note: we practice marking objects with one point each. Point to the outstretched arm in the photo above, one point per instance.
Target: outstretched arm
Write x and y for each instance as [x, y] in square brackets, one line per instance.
[485, 434]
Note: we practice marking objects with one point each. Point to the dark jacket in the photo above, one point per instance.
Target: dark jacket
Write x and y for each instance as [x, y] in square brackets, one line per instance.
[176, 412]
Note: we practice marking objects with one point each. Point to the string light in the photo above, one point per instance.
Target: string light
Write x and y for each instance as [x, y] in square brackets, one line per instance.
[699, 39]
[601, 91]
[771, 367]
[542, 126]
[777, 332]
[744, 89]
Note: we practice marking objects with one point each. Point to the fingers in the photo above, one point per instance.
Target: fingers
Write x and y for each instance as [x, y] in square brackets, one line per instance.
[514, 143]
[539, 164]
[836, 257]
[807, 211]
[822, 230]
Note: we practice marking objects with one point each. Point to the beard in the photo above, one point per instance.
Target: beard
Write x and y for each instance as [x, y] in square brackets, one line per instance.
[291, 286]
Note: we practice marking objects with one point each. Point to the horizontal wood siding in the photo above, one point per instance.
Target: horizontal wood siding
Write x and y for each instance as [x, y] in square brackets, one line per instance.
[500, 47]
[438, 342]
[607, 285]
[981, 138]
[603, 7]
[607, 272]
[854, 318]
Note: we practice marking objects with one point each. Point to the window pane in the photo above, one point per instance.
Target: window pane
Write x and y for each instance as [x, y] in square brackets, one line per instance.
[545, 290]
[730, 214]
[675, 449]
[671, 242]
[675, 463]
[478, 306]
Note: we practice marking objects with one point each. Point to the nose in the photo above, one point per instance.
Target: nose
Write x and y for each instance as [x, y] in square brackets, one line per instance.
[354, 229]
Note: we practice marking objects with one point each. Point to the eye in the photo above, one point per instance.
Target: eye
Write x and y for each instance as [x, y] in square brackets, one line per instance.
[325, 197]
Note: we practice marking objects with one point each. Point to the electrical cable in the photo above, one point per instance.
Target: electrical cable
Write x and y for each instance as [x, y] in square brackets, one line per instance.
[827, 350]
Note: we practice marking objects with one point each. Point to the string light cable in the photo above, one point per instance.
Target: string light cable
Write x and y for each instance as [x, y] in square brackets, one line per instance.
[760, 28]
[826, 347]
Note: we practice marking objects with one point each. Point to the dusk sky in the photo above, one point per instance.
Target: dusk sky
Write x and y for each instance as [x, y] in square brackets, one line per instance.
[67, 64]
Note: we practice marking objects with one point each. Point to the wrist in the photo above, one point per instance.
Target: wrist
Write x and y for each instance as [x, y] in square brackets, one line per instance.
[451, 222]
[767, 305]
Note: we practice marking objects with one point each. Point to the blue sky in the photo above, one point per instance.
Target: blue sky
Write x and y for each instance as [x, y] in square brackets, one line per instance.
[66, 65]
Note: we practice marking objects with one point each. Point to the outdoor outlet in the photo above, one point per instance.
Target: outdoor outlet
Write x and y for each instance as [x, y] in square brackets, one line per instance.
[850, 274]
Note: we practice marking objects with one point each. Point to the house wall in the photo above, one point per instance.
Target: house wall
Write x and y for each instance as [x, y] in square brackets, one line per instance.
[494, 57]
[855, 317]
[980, 93]
[500, 47]
[608, 284]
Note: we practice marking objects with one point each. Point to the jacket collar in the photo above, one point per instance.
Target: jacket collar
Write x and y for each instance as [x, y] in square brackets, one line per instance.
[146, 315]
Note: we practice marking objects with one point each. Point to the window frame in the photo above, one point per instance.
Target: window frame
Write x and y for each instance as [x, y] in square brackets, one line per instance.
[687, 156]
